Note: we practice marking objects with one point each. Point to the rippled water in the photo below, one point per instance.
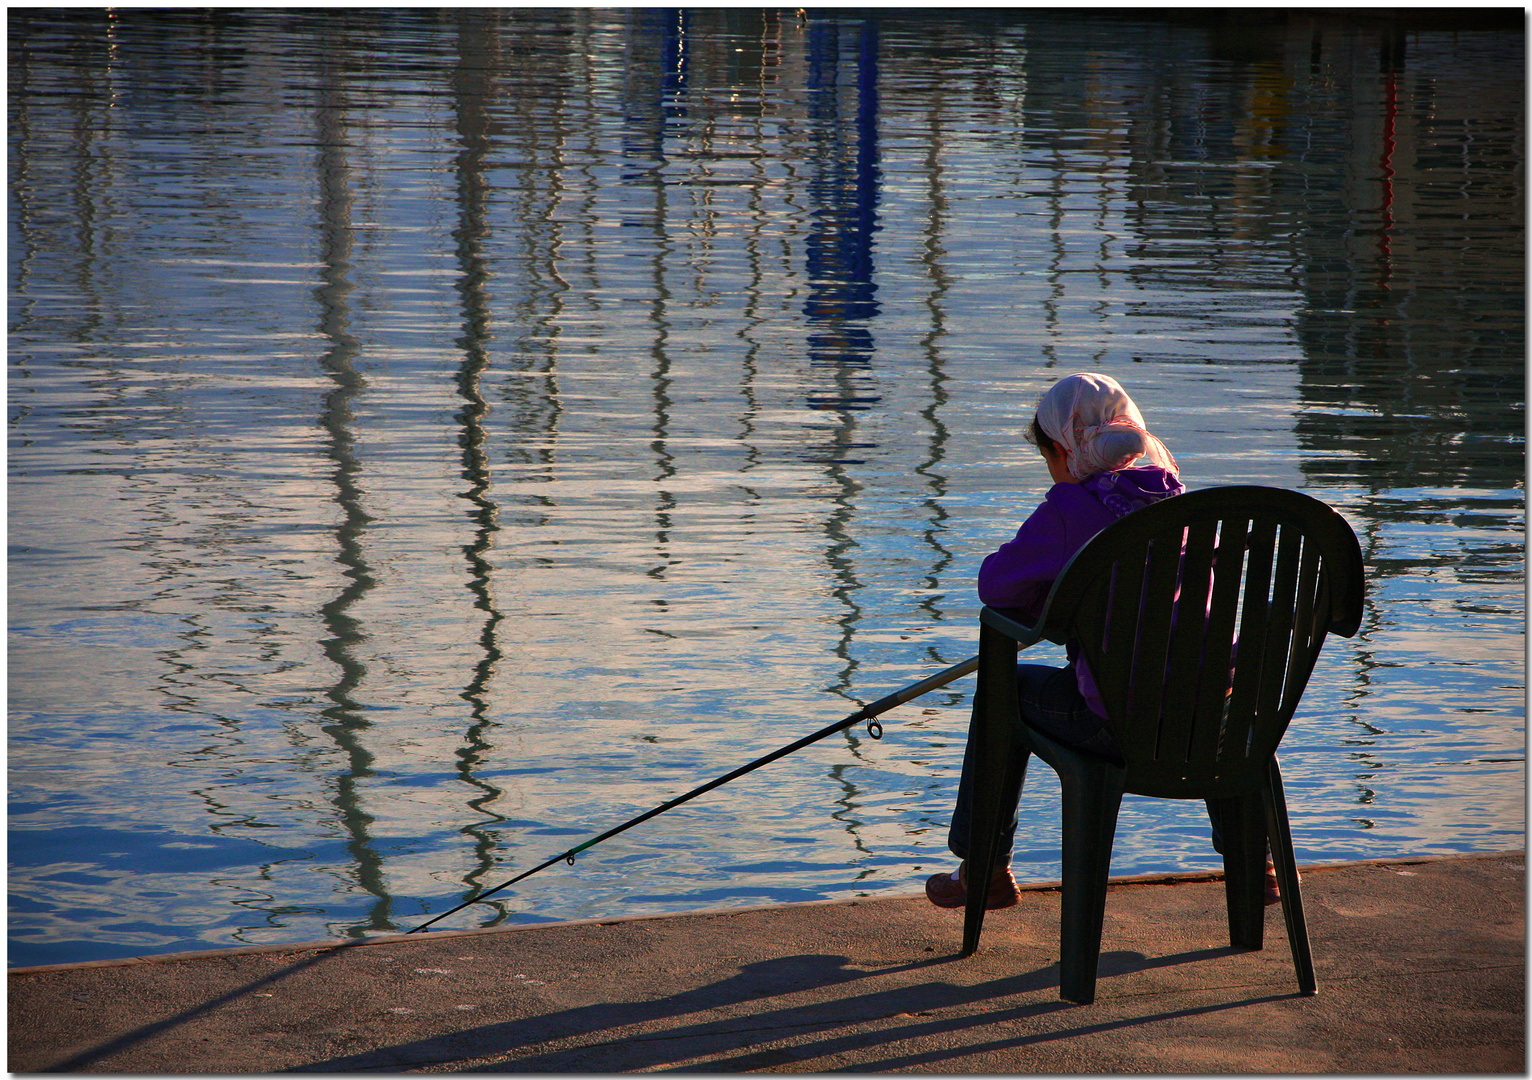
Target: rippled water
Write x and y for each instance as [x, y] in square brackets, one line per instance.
[436, 438]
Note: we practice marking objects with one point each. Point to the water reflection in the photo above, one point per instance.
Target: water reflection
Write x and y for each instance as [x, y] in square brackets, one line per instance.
[472, 89]
[1421, 190]
[843, 187]
[843, 190]
[347, 716]
[670, 369]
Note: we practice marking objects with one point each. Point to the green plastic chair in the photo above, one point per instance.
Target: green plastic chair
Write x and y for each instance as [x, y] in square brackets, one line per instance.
[1201, 618]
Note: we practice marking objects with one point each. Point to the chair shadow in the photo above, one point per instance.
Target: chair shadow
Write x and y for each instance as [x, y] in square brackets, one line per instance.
[1126, 962]
[1112, 964]
[625, 1049]
[867, 1040]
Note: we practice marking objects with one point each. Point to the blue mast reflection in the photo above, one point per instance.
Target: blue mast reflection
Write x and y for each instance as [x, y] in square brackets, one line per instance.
[841, 302]
[842, 293]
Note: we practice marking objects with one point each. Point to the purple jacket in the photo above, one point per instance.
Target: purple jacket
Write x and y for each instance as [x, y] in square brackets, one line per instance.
[1020, 574]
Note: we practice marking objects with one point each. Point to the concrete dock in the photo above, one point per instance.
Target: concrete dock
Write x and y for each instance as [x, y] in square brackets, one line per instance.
[1421, 966]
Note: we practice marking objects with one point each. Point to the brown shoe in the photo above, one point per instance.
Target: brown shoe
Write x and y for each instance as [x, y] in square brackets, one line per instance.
[1273, 893]
[951, 890]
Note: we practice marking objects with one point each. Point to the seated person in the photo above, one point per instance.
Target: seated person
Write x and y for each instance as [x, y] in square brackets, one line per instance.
[1104, 465]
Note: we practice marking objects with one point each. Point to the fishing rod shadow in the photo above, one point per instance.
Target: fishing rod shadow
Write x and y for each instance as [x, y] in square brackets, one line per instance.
[81, 1061]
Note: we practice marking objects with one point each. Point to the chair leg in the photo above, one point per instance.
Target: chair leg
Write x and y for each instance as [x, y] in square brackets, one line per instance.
[1242, 822]
[1092, 798]
[996, 709]
[1287, 878]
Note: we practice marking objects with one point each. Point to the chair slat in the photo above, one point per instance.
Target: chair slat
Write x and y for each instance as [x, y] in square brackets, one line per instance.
[1194, 732]
[1114, 629]
[1251, 646]
[1308, 628]
[1223, 609]
[1151, 648]
[1279, 632]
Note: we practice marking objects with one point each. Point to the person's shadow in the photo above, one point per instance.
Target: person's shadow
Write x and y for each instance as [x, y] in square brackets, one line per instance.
[661, 1044]
[531, 1044]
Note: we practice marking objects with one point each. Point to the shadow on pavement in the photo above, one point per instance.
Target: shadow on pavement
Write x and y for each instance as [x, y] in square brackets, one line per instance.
[79, 1062]
[638, 1035]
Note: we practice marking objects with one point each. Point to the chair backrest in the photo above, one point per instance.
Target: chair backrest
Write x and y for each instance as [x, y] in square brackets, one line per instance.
[1201, 618]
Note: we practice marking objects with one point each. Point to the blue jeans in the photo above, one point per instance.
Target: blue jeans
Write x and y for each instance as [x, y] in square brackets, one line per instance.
[1052, 703]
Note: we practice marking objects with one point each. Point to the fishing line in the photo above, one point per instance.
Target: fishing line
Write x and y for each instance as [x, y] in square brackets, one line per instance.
[866, 712]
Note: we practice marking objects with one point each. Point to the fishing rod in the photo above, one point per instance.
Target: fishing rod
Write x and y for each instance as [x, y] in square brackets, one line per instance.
[866, 712]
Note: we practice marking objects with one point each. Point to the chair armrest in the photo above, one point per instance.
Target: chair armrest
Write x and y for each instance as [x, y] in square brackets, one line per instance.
[1004, 620]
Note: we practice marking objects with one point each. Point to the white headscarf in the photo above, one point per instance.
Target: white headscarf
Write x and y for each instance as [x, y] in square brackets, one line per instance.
[1099, 427]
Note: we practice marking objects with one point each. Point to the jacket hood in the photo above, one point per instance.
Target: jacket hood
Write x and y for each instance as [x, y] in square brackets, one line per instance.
[1127, 490]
